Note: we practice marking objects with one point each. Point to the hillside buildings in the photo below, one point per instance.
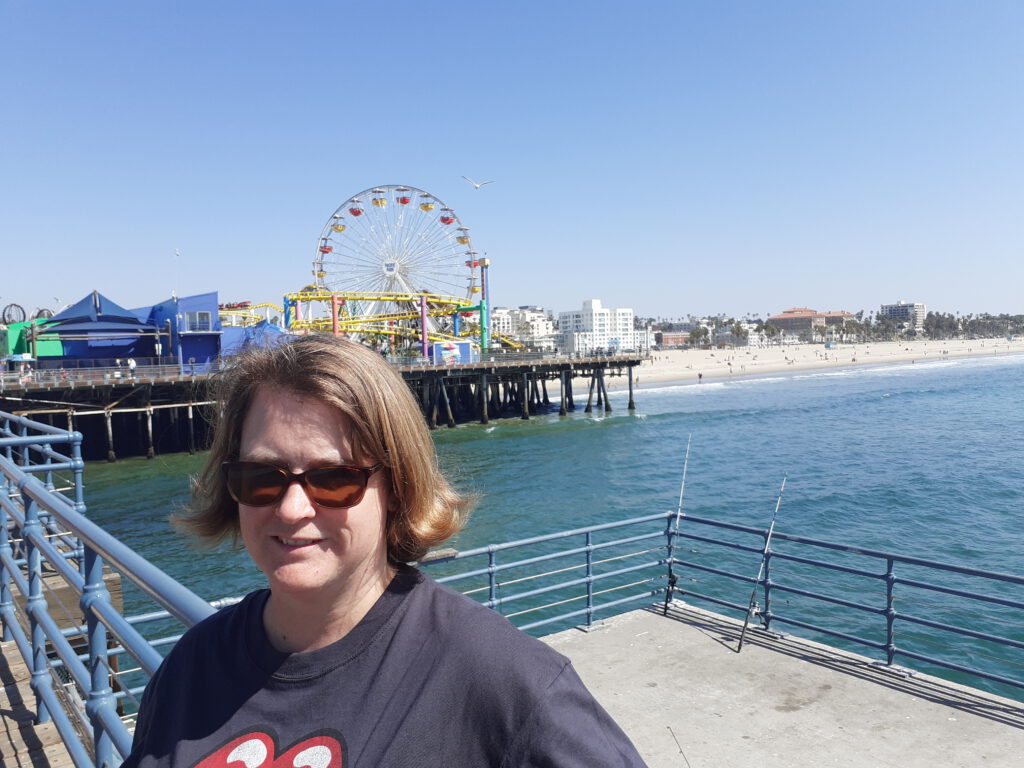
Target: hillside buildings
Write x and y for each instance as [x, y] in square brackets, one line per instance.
[798, 319]
[530, 325]
[909, 314]
[595, 328]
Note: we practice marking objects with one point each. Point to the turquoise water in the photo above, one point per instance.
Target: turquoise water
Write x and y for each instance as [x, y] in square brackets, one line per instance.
[923, 459]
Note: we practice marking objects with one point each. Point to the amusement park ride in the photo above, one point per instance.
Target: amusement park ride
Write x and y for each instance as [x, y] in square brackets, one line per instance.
[394, 266]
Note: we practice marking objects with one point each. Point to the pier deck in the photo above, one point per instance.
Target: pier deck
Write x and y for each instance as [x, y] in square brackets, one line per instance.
[22, 744]
[686, 698]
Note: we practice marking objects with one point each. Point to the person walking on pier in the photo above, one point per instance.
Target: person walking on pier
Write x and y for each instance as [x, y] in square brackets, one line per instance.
[323, 467]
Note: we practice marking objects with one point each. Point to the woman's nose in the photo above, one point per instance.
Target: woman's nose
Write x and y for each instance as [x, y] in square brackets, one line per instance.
[295, 504]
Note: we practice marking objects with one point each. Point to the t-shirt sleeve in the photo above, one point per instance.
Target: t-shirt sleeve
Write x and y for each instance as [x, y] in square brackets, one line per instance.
[568, 728]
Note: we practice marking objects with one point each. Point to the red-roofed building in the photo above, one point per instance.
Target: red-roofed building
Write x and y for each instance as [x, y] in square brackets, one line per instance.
[800, 319]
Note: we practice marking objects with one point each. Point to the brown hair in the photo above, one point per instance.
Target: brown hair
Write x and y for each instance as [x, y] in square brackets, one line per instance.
[387, 427]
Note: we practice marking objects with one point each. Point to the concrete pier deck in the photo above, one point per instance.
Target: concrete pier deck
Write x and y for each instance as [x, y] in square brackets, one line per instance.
[679, 689]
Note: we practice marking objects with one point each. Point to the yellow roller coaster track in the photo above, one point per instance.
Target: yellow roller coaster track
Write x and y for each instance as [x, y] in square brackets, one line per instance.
[432, 298]
[437, 306]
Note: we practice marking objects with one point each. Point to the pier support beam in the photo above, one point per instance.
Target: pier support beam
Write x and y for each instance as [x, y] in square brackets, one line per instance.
[631, 405]
[442, 396]
[150, 453]
[496, 397]
[604, 388]
[111, 456]
[430, 384]
[524, 397]
[483, 390]
[561, 392]
[590, 394]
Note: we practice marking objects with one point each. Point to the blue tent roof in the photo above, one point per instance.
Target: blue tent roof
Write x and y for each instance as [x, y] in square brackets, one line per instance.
[263, 334]
[93, 310]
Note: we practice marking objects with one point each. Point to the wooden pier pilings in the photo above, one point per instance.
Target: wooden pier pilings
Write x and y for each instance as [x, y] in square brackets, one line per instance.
[505, 386]
[169, 413]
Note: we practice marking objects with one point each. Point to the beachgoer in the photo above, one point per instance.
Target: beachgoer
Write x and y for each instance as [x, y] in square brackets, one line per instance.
[322, 465]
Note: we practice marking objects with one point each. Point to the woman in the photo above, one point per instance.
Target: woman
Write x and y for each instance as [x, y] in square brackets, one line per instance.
[321, 464]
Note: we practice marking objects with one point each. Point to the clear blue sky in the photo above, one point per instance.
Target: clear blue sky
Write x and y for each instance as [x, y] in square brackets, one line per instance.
[674, 157]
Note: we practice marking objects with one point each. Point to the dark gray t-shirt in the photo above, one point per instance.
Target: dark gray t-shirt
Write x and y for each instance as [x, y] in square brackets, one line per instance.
[427, 678]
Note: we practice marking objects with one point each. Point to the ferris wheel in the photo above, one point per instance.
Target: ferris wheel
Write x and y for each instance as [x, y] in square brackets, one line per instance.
[388, 246]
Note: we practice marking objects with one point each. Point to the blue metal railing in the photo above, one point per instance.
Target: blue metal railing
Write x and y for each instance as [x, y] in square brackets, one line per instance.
[598, 572]
[542, 584]
[872, 595]
[40, 523]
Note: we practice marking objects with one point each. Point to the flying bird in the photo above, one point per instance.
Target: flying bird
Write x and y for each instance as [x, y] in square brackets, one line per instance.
[477, 186]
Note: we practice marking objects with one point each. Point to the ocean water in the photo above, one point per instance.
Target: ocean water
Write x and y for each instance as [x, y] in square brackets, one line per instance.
[919, 459]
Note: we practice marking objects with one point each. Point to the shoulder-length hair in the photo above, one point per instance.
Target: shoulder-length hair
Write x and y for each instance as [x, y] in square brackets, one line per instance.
[387, 427]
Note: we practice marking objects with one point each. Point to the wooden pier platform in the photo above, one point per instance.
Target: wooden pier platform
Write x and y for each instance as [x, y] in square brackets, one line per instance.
[161, 409]
[23, 744]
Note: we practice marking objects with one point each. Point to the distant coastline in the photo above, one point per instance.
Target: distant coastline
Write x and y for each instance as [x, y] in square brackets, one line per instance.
[696, 365]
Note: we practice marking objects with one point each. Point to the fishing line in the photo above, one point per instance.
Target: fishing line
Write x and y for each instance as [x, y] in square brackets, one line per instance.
[752, 606]
[672, 538]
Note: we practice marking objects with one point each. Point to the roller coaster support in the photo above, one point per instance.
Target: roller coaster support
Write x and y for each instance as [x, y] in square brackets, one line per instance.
[485, 299]
[336, 303]
[423, 326]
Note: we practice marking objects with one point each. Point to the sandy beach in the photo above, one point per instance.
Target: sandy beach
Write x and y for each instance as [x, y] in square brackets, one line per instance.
[698, 365]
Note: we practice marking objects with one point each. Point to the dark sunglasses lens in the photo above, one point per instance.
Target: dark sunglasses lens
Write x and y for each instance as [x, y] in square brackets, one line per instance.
[256, 485]
[336, 486]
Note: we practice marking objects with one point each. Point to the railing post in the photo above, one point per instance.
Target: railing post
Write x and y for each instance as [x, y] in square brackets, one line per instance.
[590, 578]
[890, 611]
[6, 597]
[23, 454]
[767, 612]
[35, 603]
[78, 472]
[492, 579]
[100, 694]
[46, 442]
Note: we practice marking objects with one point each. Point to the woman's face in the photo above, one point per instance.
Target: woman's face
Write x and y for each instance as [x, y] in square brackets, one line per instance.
[304, 549]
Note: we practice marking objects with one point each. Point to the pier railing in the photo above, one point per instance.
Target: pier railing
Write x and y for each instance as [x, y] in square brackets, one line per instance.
[49, 550]
[941, 617]
[74, 373]
[90, 661]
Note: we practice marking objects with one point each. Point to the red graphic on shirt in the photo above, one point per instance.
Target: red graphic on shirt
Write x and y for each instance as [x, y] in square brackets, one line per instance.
[259, 750]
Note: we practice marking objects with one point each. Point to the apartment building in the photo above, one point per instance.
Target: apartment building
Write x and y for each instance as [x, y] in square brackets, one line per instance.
[908, 313]
[595, 328]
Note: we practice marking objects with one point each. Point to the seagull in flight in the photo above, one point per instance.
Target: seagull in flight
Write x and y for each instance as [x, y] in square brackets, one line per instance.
[477, 186]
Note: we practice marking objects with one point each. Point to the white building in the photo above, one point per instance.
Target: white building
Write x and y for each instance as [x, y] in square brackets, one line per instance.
[595, 328]
[529, 325]
[902, 312]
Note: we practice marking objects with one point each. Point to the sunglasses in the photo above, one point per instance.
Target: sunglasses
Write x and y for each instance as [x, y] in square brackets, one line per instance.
[259, 485]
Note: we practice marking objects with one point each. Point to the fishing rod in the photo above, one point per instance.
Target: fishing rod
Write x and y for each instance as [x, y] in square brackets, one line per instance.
[671, 541]
[752, 607]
